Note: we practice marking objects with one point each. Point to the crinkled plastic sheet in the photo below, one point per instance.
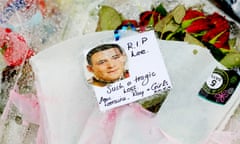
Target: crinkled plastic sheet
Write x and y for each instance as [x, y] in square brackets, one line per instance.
[19, 105]
[130, 123]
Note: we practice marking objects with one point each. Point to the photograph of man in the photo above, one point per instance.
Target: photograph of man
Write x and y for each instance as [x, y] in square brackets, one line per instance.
[107, 64]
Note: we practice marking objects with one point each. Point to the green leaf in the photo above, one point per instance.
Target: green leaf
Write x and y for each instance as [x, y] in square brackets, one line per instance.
[216, 53]
[161, 24]
[178, 13]
[154, 102]
[3, 48]
[192, 40]
[151, 21]
[187, 23]
[109, 18]
[214, 39]
[232, 43]
[171, 27]
[160, 9]
[231, 60]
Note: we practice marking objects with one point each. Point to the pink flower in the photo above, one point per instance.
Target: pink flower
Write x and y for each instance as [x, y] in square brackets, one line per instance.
[14, 47]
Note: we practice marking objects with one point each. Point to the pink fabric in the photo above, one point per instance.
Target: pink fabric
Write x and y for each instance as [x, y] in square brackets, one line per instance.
[231, 135]
[99, 127]
[102, 128]
[223, 137]
[27, 105]
[40, 138]
[139, 126]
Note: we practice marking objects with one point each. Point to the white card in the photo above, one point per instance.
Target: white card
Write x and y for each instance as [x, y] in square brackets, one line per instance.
[144, 72]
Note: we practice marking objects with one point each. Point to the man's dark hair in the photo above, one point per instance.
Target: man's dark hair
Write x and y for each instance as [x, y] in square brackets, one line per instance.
[102, 48]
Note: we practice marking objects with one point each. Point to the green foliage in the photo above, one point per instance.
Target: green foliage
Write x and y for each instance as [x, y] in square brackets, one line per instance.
[109, 19]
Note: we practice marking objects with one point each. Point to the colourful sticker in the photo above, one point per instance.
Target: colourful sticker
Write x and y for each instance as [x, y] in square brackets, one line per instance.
[220, 86]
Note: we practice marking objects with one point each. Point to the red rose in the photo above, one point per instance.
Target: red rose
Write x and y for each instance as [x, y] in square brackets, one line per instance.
[149, 18]
[218, 21]
[219, 33]
[198, 26]
[191, 16]
[13, 47]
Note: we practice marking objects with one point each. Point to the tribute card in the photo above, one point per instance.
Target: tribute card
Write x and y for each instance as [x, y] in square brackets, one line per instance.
[127, 70]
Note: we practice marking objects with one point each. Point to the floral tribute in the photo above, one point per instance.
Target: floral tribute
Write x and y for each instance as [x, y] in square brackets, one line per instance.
[14, 47]
[213, 28]
[192, 25]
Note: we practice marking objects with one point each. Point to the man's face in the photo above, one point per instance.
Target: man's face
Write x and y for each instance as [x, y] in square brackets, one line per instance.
[108, 64]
